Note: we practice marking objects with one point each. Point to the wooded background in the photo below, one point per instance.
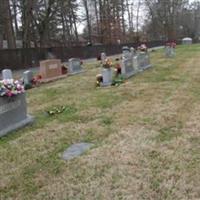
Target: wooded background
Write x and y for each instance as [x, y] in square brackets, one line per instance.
[66, 23]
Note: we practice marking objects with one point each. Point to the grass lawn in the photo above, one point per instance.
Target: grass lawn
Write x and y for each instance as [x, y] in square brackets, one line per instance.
[146, 134]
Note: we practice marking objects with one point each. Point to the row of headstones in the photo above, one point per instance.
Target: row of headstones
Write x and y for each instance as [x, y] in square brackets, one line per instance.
[48, 69]
[13, 111]
[53, 68]
[132, 63]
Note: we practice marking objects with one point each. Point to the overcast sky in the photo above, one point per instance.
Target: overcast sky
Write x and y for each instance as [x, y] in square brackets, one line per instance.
[82, 25]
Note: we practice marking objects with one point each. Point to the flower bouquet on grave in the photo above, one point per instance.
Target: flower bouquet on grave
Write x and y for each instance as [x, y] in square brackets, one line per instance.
[118, 80]
[108, 64]
[99, 80]
[171, 44]
[10, 87]
[34, 82]
[142, 48]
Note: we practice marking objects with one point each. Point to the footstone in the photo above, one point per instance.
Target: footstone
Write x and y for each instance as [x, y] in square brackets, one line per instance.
[75, 66]
[7, 74]
[13, 113]
[76, 150]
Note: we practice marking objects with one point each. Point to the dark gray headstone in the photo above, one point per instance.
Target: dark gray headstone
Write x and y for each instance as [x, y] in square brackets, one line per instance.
[75, 66]
[7, 74]
[13, 113]
[76, 150]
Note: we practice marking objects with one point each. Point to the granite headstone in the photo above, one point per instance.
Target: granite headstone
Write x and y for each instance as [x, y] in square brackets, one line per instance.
[75, 66]
[127, 67]
[13, 113]
[50, 68]
[107, 77]
[28, 77]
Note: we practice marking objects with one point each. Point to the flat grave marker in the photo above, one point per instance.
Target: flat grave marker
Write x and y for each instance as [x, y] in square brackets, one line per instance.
[76, 150]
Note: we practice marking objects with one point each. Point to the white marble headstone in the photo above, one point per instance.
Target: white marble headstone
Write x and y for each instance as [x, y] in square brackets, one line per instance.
[7, 74]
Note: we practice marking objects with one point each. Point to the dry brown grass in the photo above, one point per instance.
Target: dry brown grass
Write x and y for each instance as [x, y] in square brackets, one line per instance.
[146, 134]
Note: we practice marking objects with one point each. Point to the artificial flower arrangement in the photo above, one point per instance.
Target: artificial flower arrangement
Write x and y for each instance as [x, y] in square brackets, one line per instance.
[117, 80]
[171, 44]
[34, 82]
[143, 48]
[108, 64]
[10, 87]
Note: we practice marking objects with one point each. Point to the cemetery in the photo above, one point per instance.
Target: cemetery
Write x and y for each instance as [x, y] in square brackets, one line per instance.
[132, 63]
[81, 133]
[99, 100]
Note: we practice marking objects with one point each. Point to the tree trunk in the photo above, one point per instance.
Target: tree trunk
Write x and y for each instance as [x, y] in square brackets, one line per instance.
[8, 27]
[85, 3]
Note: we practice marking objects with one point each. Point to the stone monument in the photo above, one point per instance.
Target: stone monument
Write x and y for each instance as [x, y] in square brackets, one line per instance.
[127, 69]
[75, 66]
[28, 78]
[7, 74]
[50, 69]
[107, 77]
[13, 113]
